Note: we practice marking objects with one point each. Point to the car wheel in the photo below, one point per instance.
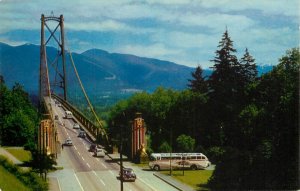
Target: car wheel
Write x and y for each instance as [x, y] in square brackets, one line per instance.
[194, 167]
[156, 168]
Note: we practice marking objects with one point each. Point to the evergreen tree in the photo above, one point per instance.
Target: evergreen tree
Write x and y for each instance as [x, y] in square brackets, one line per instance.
[225, 86]
[270, 137]
[226, 77]
[198, 83]
[249, 67]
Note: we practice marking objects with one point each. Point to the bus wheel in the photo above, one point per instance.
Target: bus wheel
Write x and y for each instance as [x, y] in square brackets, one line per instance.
[156, 168]
[194, 167]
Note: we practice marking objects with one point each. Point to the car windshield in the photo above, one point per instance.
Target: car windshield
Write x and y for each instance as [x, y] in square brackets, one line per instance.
[128, 171]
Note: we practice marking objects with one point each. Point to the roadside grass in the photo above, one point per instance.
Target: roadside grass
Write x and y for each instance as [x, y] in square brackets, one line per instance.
[195, 178]
[9, 182]
[142, 165]
[19, 153]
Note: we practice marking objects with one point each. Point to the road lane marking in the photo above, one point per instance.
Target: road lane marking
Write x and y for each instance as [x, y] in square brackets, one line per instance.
[78, 153]
[99, 178]
[103, 165]
[82, 158]
[97, 159]
[78, 182]
[58, 184]
[102, 181]
[88, 165]
[75, 147]
[146, 184]
[111, 172]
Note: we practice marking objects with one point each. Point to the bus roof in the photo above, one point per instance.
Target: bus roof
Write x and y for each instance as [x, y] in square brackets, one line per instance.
[175, 154]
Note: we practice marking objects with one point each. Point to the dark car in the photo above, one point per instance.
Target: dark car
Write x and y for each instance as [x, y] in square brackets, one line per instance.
[93, 147]
[82, 134]
[128, 175]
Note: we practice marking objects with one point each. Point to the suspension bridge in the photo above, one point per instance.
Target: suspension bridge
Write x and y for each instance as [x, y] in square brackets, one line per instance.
[82, 169]
[53, 87]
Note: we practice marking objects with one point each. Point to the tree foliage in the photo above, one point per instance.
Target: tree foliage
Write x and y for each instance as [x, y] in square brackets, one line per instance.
[269, 134]
[185, 143]
[18, 119]
[246, 124]
[42, 162]
[198, 83]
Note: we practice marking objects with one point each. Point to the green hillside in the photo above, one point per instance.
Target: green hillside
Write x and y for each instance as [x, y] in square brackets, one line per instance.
[9, 182]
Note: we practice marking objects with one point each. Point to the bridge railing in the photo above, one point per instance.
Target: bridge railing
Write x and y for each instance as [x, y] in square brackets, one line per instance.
[93, 130]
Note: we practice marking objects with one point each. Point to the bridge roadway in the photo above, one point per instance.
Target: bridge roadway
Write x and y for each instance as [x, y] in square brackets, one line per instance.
[84, 172]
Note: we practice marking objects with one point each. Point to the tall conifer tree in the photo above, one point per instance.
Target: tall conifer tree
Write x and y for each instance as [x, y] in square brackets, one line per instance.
[249, 67]
[223, 81]
[226, 87]
[198, 83]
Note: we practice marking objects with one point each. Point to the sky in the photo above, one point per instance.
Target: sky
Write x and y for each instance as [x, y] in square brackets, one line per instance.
[186, 32]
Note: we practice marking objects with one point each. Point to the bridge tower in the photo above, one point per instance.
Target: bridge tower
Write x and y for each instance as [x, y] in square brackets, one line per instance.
[55, 37]
[138, 138]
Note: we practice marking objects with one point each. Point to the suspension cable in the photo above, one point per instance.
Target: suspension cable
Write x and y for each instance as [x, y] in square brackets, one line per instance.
[86, 96]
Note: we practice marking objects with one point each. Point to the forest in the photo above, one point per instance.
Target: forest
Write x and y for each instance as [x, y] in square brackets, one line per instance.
[248, 125]
[19, 119]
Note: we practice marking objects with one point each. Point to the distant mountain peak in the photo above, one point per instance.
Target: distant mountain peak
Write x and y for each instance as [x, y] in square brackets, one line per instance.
[95, 52]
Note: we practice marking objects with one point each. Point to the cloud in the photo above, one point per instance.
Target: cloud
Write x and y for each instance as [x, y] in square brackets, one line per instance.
[155, 50]
[12, 42]
[183, 31]
[107, 25]
[277, 7]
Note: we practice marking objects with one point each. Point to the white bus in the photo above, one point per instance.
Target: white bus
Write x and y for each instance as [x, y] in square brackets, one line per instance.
[68, 114]
[163, 161]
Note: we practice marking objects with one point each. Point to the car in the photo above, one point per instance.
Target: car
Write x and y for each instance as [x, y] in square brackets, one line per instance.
[93, 147]
[99, 152]
[128, 175]
[59, 105]
[82, 134]
[68, 142]
[76, 126]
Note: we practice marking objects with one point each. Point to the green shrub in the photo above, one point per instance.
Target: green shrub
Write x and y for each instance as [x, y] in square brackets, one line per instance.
[215, 153]
[31, 179]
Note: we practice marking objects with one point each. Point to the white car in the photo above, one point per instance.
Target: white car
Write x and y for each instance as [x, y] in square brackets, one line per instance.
[99, 152]
[68, 142]
[76, 126]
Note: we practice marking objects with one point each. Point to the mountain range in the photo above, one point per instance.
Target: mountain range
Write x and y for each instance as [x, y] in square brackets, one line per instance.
[99, 70]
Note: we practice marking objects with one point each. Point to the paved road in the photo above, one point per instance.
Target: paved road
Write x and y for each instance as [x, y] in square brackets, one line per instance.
[84, 172]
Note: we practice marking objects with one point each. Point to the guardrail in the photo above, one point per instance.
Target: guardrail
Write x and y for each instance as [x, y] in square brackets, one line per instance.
[93, 129]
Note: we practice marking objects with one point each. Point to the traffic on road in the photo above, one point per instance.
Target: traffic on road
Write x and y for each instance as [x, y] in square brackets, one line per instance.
[86, 166]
